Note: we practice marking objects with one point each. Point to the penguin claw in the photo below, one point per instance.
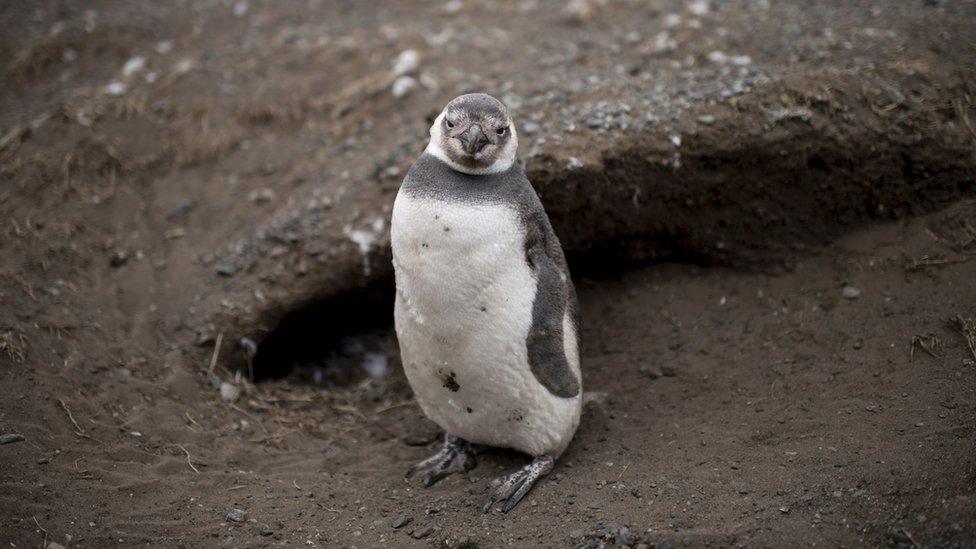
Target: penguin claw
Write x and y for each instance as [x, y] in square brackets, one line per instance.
[457, 456]
[511, 488]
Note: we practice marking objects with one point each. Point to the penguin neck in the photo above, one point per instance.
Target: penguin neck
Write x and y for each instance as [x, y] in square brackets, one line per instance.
[502, 164]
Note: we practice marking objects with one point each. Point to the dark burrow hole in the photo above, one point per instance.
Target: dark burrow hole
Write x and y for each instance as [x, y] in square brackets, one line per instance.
[337, 342]
[345, 340]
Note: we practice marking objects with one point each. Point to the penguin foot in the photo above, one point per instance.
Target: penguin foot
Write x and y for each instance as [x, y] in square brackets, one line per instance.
[512, 488]
[457, 456]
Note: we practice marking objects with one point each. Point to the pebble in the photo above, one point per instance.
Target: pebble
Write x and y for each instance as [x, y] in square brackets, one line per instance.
[530, 128]
[134, 65]
[968, 362]
[706, 119]
[182, 209]
[400, 521]
[422, 532]
[237, 515]
[55, 545]
[10, 438]
[261, 196]
[407, 61]
[227, 269]
[403, 85]
[115, 88]
[229, 392]
[850, 292]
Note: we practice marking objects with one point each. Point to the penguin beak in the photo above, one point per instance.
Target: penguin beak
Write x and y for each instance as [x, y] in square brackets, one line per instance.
[473, 139]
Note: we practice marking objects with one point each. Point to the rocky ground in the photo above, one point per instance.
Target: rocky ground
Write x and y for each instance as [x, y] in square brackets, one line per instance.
[195, 342]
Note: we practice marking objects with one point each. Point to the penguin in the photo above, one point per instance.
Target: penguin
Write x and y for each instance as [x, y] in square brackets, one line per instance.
[485, 311]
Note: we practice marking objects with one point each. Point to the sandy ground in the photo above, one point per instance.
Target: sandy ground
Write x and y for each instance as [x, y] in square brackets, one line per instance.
[184, 183]
[724, 408]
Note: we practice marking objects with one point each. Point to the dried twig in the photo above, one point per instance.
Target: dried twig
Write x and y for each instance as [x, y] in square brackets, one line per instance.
[42, 529]
[967, 328]
[188, 461]
[395, 406]
[78, 430]
[912, 264]
[216, 354]
[928, 343]
[251, 417]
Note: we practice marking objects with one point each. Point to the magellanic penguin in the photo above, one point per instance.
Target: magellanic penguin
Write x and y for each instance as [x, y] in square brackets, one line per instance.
[486, 313]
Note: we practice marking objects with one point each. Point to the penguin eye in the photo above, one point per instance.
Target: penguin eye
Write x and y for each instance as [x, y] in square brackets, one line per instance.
[501, 131]
[450, 124]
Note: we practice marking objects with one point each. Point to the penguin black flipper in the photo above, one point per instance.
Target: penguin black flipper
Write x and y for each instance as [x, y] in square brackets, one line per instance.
[555, 295]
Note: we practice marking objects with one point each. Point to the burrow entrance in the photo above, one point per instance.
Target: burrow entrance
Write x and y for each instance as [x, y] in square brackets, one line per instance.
[336, 342]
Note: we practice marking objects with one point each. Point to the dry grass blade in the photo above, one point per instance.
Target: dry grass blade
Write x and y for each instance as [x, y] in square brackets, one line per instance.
[216, 354]
[913, 264]
[14, 347]
[928, 343]
[188, 460]
[967, 328]
[42, 529]
[78, 430]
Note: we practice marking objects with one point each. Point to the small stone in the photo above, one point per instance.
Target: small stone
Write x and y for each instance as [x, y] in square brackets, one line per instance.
[260, 196]
[850, 292]
[530, 128]
[229, 392]
[624, 538]
[407, 61]
[784, 509]
[227, 269]
[706, 119]
[180, 210]
[237, 515]
[118, 259]
[400, 521]
[858, 343]
[403, 85]
[134, 65]
[10, 438]
[968, 362]
[55, 545]
[115, 88]
[594, 123]
[422, 532]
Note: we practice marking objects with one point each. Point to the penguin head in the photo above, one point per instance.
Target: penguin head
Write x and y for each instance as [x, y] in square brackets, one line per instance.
[474, 134]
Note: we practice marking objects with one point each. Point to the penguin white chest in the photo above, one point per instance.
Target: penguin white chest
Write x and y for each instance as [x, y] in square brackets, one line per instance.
[463, 310]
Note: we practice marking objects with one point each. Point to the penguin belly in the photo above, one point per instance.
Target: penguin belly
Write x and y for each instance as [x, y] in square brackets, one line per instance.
[464, 296]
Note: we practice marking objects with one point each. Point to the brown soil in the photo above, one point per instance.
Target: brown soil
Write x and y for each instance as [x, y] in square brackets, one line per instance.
[699, 166]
